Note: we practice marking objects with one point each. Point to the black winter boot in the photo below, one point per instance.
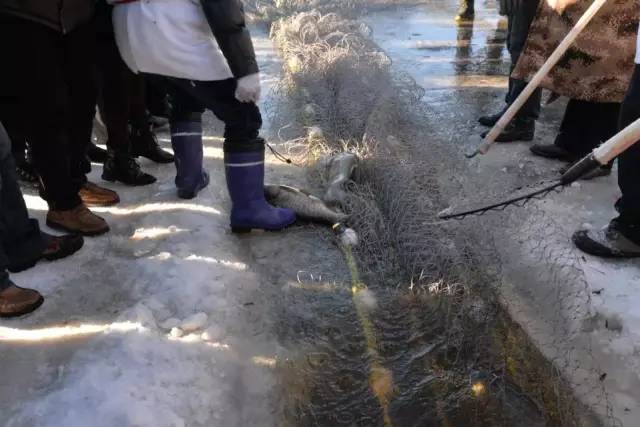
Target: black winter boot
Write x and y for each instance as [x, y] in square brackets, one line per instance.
[619, 240]
[96, 154]
[517, 130]
[145, 144]
[124, 168]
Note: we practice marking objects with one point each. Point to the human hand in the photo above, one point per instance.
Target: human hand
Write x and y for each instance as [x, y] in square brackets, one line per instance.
[248, 89]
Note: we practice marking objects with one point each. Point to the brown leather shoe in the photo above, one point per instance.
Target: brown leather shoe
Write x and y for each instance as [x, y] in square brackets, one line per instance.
[79, 220]
[16, 301]
[94, 195]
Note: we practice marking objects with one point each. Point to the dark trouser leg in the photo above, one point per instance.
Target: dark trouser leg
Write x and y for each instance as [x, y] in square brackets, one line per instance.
[115, 79]
[157, 94]
[138, 102]
[242, 120]
[20, 236]
[586, 125]
[79, 76]
[186, 140]
[243, 154]
[37, 58]
[521, 16]
[629, 161]
[13, 123]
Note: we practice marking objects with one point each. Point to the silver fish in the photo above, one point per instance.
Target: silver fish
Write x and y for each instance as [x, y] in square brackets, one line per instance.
[339, 171]
[305, 205]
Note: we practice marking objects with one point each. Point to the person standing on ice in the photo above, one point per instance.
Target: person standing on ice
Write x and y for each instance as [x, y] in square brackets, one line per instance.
[621, 238]
[204, 50]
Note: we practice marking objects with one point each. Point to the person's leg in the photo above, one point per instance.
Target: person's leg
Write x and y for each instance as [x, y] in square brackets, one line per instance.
[114, 95]
[522, 127]
[629, 165]
[14, 124]
[39, 56]
[157, 97]
[36, 56]
[243, 157]
[186, 140]
[515, 44]
[18, 235]
[621, 239]
[78, 71]
[117, 91]
[79, 52]
[466, 10]
[585, 125]
[23, 242]
[143, 139]
[522, 16]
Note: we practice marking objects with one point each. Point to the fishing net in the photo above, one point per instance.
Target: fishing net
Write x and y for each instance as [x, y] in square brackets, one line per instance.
[483, 368]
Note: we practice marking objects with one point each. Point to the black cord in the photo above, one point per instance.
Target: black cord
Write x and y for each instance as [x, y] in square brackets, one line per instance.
[519, 201]
[279, 156]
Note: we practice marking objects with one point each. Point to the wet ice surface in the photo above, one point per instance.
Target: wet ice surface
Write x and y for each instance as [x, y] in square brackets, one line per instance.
[272, 332]
[462, 68]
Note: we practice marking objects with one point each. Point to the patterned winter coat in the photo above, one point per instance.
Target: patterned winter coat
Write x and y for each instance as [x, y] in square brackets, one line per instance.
[598, 66]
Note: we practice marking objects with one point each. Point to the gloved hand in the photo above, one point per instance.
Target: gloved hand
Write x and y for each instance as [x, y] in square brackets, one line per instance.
[248, 89]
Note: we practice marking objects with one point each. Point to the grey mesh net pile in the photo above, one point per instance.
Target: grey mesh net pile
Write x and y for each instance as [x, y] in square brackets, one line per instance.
[347, 97]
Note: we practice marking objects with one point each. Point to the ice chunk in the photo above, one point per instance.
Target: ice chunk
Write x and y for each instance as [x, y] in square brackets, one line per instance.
[195, 322]
[176, 333]
[145, 317]
[170, 323]
[213, 333]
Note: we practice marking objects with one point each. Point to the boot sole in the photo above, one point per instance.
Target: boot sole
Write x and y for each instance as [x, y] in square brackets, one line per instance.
[522, 139]
[153, 159]
[60, 227]
[598, 250]
[247, 230]
[27, 310]
[130, 184]
[549, 155]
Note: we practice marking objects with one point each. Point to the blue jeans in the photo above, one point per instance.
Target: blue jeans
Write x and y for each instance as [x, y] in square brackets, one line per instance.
[20, 237]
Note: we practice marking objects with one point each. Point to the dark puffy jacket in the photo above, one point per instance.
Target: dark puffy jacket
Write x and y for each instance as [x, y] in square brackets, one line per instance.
[60, 15]
[227, 22]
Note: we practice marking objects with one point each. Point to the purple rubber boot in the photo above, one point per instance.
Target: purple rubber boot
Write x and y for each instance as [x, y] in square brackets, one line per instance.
[186, 139]
[245, 181]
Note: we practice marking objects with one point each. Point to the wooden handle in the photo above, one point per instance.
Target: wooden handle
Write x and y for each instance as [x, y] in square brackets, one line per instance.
[618, 144]
[540, 75]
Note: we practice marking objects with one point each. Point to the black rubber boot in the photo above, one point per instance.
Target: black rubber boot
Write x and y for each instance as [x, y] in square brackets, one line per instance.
[517, 130]
[125, 169]
[96, 154]
[618, 240]
[552, 151]
[145, 144]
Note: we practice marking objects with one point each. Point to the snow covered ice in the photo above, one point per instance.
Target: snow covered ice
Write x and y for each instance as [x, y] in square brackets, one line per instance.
[171, 270]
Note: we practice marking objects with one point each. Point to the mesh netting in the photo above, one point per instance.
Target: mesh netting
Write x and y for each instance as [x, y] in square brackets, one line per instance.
[348, 97]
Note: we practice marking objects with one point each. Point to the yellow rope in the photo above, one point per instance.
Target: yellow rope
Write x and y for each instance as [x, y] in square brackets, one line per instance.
[380, 378]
